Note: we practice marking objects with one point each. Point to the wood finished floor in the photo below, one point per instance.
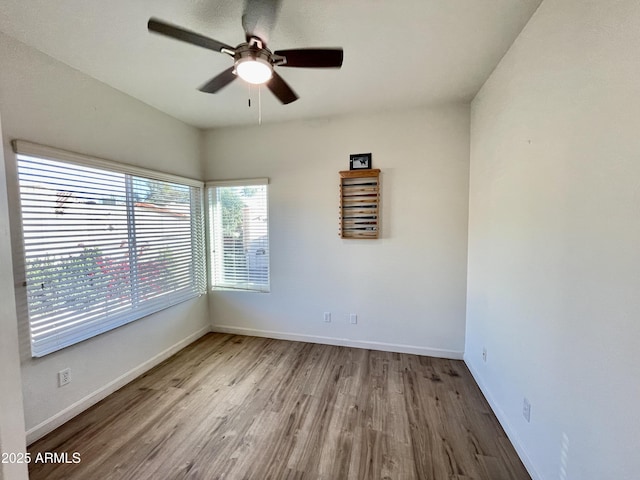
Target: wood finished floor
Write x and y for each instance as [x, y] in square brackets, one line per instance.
[233, 407]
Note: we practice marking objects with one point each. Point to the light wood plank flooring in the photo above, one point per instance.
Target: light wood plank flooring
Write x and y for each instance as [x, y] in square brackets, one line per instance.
[233, 407]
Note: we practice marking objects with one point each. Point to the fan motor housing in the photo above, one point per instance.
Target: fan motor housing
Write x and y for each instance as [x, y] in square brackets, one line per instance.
[255, 51]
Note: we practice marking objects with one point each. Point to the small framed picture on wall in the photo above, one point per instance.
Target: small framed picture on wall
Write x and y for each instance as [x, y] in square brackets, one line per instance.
[359, 161]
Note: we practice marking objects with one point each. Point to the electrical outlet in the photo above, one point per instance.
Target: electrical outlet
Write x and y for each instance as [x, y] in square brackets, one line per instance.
[484, 354]
[327, 317]
[353, 318]
[64, 377]
[526, 410]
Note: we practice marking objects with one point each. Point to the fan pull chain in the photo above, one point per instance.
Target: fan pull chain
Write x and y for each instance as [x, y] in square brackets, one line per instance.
[259, 104]
[259, 87]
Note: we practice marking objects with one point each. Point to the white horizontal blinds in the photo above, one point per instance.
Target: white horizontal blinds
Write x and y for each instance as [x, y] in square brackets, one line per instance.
[74, 222]
[103, 248]
[240, 236]
[163, 244]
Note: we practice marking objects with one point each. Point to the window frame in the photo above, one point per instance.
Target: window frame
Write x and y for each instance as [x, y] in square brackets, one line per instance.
[196, 230]
[213, 248]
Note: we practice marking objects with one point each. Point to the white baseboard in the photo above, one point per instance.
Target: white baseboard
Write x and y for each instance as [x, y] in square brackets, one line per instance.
[502, 418]
[343, 342]
[81, 405]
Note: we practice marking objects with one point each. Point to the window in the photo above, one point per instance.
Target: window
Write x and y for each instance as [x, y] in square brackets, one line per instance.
[104, 244]
[239, 234]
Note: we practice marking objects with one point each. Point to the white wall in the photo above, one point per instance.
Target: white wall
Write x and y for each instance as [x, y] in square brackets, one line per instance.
[12, 435]
[46, 102]
[408, 288]
[554, 236]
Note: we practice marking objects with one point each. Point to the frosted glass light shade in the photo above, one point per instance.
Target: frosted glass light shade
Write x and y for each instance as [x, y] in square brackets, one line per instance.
[255, 71]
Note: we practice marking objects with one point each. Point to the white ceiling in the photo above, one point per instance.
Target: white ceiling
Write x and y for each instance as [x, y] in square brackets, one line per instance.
[398, 54]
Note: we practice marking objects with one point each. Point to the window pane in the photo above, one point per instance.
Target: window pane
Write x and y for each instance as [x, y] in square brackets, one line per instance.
[240, 233]
[163, 246]
[103, 248]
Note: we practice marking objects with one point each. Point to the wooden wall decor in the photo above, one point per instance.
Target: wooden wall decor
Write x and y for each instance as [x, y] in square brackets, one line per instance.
[360, 204]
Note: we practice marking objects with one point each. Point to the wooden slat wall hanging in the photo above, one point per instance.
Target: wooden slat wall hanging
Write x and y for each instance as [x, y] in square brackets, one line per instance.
[360, 204]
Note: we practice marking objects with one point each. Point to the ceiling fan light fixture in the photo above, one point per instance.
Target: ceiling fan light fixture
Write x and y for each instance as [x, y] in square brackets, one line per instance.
[254, 70]
[253, 61]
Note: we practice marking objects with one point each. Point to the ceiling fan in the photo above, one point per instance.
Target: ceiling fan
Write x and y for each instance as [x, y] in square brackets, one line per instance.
[252, 60]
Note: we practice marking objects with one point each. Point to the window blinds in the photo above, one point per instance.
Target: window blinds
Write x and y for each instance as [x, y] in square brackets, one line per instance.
[104, 247]
[239, 234]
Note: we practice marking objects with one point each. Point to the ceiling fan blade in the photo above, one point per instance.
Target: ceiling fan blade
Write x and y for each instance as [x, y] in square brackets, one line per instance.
[259, 17]
[312, 57]
[219, 81]
[281, 89]
[173, 31]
